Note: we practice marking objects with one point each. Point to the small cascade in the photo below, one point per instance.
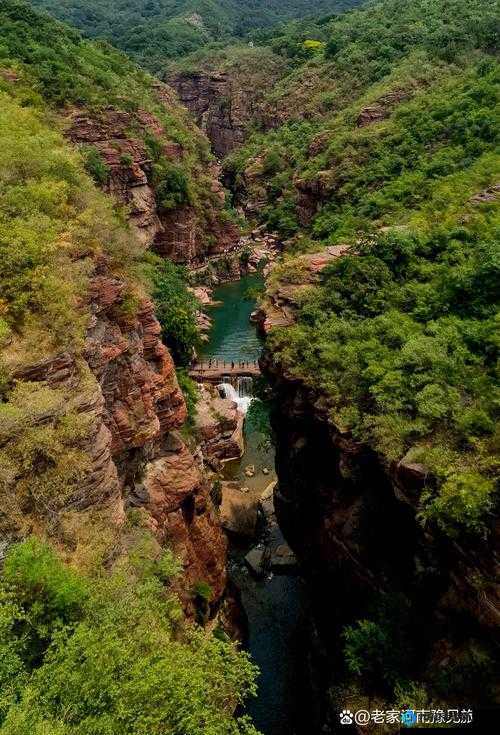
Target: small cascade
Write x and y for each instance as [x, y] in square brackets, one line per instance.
[244, 386]
[241, 393]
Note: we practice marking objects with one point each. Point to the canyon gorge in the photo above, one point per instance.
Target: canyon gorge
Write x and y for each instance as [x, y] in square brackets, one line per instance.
[249, 334]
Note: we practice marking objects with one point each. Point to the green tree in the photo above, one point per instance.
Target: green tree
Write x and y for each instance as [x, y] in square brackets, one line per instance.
[176, 309]
[119, 660]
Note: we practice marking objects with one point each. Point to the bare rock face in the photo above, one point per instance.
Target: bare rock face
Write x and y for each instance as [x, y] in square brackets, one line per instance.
[177, 499]
[218, 426]
[218, 107]
[137, 453]
[224, 101]
[238, 511]
[127, 162]
[176, 233]
[134, 369]
[142, 406]
[382, 108]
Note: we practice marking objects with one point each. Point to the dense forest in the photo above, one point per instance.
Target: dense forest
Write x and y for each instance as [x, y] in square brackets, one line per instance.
[392, 148]
[164, 29]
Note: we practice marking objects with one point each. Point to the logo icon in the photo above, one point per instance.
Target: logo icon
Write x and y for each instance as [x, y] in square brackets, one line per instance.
[346, 717]
[408, 718]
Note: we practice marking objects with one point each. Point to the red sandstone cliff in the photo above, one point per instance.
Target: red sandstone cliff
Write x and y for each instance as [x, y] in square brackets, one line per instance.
[188, 232]
[143, 408]
[229, 96]
[123, 385]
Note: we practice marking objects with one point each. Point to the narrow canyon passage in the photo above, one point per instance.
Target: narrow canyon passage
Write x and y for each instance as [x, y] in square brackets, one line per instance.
[272, 601]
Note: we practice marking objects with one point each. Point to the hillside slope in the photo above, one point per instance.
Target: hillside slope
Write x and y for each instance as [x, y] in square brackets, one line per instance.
[381, 174]
[120, 546]
[138, 142]
[397, 138]
[154, 32]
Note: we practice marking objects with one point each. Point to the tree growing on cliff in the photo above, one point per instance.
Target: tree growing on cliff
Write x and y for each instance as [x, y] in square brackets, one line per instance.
[176, 309]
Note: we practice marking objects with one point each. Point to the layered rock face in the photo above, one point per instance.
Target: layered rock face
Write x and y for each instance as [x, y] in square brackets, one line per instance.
[225, 101]
[62, 374]
[175, 493]
[142, 407]
[139, 459]
[220, 109]
[124, 389]
[118, 138]
[134, 369]
[219, 426]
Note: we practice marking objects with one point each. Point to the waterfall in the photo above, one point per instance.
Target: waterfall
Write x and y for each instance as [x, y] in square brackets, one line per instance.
[244, 386]
[241, 394]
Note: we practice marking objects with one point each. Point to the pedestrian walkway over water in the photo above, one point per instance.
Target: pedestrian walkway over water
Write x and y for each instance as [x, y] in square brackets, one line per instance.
[214, 370]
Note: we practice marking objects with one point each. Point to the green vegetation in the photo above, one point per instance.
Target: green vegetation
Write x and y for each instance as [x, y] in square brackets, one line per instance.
[111, 654]
[407, 357]
[53, 223]
[176, 309]
[191, 396]
[53, 65]
[395, 152]
[155, 31]
[381, 654]
[102, 645]
[96, 166]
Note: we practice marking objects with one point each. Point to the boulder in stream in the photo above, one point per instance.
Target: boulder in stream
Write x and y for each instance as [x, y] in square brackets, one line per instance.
[283, 560]
[256, 561]
[238, 511]
[267, 500]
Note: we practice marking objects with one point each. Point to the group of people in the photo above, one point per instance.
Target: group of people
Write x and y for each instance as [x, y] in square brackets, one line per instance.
[239, 363]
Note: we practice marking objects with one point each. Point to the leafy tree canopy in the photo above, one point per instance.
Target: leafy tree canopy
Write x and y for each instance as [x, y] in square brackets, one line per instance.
[81, 655]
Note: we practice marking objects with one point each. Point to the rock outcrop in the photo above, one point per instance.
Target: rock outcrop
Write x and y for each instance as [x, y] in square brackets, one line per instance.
[281, 301]
[123, 390]
[143, 407]
[183, 233]
[218, 426]
[238, 510]
[177, 497]
[134, 369]
[225, 99]
[381, 108]
[218, 108]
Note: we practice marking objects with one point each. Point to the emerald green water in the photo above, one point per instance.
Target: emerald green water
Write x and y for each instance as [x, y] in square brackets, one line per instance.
[232, 336]
[273, 605]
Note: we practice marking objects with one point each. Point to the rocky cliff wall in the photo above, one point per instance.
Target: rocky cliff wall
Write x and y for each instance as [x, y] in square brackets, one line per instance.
[229, 96]
[352, 519]
[186, 232]
[118, 408]
[143, 410]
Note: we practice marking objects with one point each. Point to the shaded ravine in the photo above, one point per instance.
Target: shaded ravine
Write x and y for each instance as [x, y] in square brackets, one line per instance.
[273, 604]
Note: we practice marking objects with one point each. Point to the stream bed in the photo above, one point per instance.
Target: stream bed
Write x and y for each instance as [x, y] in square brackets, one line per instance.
[272, 604]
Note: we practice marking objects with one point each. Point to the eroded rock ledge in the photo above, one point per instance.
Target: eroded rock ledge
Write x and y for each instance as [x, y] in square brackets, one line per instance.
[178, 233]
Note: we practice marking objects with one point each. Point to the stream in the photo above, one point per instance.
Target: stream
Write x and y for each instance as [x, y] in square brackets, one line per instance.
[272, 604]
